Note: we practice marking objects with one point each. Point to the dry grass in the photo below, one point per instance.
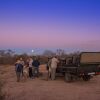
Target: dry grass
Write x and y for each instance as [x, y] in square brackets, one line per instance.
[39, 89]
[2, 95]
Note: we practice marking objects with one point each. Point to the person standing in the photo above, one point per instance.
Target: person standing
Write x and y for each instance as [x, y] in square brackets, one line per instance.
[30, 67]
[49, 68]
[36, 65]
[54, 62]
[18, 69]
[22, 63]
[25, 72]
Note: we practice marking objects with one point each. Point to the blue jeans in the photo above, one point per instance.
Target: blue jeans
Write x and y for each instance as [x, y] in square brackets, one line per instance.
[18, 74]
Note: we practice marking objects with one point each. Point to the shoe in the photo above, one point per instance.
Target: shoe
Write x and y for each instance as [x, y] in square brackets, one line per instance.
[32, 78]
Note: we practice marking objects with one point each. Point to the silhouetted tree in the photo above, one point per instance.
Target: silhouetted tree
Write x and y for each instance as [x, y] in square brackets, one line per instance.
[48, 53]
[2, 53]
[60, 52]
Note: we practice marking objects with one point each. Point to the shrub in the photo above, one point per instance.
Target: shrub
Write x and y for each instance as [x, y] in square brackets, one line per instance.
[2, 95]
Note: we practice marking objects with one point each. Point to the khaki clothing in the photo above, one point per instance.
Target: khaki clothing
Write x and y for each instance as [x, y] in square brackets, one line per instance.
[54, 62]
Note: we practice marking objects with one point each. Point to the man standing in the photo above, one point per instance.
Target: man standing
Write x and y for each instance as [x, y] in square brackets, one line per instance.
[18, 69]
[22, 63]
[49, 68]
[54, 62]
[36, 65]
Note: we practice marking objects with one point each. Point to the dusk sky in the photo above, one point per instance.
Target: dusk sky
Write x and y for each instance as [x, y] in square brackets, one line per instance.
[49, 24]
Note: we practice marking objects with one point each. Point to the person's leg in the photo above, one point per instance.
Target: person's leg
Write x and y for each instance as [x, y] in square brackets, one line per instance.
[49, 72]
[22, 70]
[18, 76]
[31, 72]
[47, 75]
[25, 76]
[37, 72]
[53, 72]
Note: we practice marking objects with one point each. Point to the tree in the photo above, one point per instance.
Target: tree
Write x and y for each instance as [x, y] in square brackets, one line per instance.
[60, 52]
[6, 56]
[9, 53]
[48, 53]
[2, 53]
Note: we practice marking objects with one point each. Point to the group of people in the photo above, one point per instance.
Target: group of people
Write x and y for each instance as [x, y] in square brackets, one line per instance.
[29, 68]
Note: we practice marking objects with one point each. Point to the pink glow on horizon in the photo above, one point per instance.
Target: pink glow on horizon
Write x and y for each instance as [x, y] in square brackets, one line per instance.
[48, 35]
[46, 41]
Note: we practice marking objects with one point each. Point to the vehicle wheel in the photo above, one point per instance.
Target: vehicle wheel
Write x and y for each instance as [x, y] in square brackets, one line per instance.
[68, 77]
[86, 77]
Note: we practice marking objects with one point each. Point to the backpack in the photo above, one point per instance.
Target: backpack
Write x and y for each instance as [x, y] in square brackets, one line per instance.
[18, 68]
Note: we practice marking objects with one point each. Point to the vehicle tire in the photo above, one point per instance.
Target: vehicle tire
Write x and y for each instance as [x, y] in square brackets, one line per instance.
[68, 77]
[86, 77]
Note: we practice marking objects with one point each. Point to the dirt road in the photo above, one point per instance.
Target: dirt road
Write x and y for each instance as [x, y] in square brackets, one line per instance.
[39, 89]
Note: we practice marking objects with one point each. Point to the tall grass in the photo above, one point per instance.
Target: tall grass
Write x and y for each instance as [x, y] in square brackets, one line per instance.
[2, 95]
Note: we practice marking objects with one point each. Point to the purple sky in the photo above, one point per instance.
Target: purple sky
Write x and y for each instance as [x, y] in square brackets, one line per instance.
[72, 24]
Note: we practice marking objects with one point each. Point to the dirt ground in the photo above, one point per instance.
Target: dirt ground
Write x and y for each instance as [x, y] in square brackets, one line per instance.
[40, 89]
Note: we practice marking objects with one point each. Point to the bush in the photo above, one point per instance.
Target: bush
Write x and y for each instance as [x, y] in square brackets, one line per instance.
[2, 95]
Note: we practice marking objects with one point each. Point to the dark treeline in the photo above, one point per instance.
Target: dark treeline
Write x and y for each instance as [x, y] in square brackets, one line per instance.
[10, 57]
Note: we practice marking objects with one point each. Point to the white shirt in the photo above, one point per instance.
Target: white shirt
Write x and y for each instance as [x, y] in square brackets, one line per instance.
[54, 62]
[30, 63]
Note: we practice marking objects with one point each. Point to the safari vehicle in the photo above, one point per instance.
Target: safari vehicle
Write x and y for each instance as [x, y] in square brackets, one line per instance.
[85, 66]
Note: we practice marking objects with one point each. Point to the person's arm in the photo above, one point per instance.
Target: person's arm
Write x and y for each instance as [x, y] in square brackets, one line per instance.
[16, 66]
[49, 63]
[38, 63]
[23, 63]
[57, 61]
[33, 63]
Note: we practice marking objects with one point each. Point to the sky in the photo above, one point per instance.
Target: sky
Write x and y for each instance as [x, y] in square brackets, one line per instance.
[50, 24]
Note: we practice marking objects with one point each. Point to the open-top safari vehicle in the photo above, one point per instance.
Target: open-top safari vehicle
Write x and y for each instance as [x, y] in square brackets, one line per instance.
[84, 66]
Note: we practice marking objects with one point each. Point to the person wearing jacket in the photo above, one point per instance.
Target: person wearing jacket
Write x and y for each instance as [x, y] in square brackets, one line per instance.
[23, 63]
[36, 65]
[18, 69]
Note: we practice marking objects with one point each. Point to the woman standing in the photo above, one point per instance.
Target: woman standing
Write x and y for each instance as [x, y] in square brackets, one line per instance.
[30, 67]
[25, 71]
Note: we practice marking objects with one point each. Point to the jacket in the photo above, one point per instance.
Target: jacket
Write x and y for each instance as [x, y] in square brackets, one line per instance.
[36, 63]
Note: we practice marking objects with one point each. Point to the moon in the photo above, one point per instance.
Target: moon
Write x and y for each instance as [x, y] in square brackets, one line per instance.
[32, 50]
